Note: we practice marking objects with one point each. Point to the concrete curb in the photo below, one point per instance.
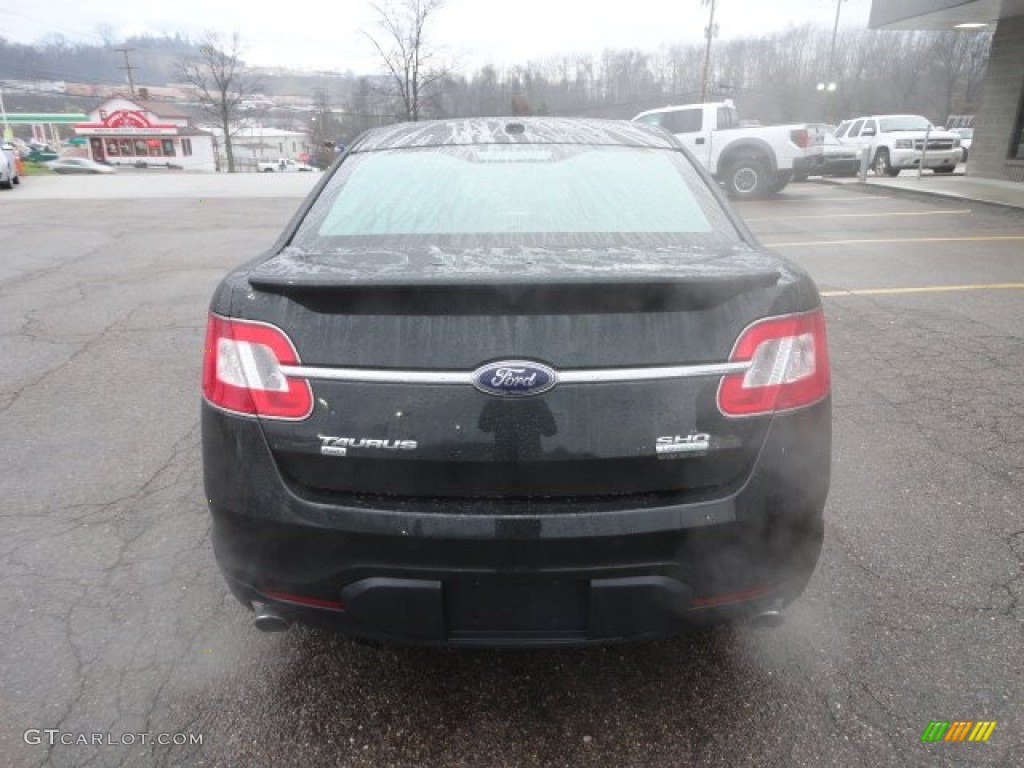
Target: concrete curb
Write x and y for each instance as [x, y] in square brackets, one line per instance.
[921, 194]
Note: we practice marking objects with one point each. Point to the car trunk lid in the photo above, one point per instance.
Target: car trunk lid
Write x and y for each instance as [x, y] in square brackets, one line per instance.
[390, 343]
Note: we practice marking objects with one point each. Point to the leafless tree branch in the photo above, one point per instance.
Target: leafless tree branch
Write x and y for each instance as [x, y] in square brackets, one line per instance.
[217, 74]
[404, 48]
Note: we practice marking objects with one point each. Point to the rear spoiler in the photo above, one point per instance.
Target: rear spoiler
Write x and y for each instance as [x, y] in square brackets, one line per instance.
[482, 294]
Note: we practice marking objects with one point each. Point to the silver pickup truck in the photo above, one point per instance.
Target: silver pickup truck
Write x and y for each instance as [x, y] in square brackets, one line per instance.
[750, 162]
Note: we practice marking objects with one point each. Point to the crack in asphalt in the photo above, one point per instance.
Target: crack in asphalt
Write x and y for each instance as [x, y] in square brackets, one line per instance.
[78, 676]
[8, 285]
[85, 347]
[185, 447]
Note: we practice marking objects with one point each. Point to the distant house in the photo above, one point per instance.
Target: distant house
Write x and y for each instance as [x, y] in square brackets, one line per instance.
[142, 132]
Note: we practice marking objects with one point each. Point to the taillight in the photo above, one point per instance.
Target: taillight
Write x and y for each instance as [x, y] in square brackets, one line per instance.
[801, 137]
[789, 366]
[242, 370]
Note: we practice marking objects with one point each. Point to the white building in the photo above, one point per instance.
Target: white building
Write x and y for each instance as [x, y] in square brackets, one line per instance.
[252, 144]
[143, 133]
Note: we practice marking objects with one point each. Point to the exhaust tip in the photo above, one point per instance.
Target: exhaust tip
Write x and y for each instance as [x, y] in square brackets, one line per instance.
[266, 619]
[771, 618]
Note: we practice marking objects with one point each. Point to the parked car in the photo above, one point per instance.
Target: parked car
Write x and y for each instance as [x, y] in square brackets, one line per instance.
[41, 155]
[840, 159]
[896, 142]
[77, 165]
[6, 172]
[517, 381]
[966, 137]
[750, 161]
[10, 173]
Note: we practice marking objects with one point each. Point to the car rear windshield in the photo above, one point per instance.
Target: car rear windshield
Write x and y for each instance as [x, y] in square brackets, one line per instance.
[533, 194]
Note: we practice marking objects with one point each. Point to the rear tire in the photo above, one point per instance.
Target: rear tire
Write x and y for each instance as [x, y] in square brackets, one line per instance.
[748, 179]
[268, 170]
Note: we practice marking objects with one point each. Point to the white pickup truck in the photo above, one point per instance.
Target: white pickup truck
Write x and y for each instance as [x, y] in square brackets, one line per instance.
[750, 162]
[283, 165]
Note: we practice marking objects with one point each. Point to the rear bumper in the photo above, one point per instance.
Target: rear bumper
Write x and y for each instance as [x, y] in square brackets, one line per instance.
[808, 163]
[424, 574]
[549, 611]
[840, 167]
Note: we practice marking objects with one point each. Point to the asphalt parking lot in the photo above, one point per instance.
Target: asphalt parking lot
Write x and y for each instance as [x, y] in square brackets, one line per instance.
[118, 623]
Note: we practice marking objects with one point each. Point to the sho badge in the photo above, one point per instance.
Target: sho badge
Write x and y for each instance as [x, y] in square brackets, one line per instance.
[339, 446]
[673, 445]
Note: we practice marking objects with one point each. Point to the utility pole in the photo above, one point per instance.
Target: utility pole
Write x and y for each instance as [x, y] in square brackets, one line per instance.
[830, 81]
[708, 33]
[3, 116]
[128, 67]
[832, 50]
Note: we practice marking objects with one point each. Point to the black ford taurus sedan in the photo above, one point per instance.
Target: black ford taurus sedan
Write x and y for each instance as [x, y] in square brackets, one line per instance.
[516, 382]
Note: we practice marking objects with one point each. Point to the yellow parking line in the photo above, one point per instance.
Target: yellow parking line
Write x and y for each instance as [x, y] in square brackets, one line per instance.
[924, 289]
[988, 239]
[863, 215]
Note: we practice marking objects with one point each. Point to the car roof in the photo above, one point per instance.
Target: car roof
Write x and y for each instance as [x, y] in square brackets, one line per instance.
[513, 130]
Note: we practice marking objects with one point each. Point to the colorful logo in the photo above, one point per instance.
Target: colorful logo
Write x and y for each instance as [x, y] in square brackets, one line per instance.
[958, 730]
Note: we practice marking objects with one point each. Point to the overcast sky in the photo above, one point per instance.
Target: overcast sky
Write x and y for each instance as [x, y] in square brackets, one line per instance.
[313, 34]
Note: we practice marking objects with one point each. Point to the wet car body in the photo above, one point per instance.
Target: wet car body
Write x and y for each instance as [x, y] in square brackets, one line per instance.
[498, 434]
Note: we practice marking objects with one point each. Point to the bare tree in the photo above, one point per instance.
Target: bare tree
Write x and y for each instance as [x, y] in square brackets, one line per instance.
[404, 48]
[773, 78]
[107, 34]
[324, 130]
[216, 73]
[974, 72]
[368, 106]
[958, 60]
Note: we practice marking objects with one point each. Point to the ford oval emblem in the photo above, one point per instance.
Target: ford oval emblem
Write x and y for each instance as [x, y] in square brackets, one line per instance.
[514, 378]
